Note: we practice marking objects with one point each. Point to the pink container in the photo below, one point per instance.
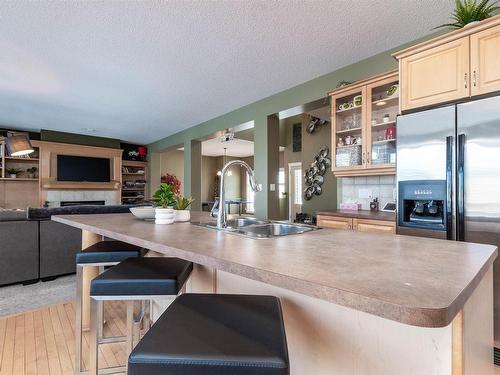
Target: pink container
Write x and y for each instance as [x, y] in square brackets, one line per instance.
[350, 206]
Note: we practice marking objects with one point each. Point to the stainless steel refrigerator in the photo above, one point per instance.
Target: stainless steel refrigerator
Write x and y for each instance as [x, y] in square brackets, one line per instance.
[448, 174]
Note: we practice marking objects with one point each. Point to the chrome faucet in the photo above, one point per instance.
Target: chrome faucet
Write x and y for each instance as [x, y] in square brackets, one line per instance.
[222, 215]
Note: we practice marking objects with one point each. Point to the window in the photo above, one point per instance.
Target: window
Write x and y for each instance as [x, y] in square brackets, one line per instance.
[297, 177]
[281, 183]
[250, 207]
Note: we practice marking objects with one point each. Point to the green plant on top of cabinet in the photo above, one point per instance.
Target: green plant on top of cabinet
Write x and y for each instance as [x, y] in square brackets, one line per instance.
[364, 126]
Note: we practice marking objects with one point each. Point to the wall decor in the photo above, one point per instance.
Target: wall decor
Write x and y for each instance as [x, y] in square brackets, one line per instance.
[314, 123]
[314, 175]
[297, 137]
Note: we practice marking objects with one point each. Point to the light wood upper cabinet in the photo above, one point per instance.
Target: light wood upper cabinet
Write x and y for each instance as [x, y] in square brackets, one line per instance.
[438, 75]
[461, 64]
[485, 61]
[364, 126]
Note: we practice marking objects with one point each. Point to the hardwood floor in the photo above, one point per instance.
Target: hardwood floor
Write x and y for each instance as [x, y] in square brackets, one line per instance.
[42, 342]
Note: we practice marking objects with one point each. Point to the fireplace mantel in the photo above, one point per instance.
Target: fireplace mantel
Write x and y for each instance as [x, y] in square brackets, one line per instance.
[50, 184]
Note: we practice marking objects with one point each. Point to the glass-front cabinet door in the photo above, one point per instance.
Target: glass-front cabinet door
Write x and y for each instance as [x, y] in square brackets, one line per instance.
[348, 114]
[364, 126]
[383, 102]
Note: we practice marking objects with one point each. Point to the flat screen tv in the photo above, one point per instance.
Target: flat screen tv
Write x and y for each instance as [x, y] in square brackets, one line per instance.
[83, 168]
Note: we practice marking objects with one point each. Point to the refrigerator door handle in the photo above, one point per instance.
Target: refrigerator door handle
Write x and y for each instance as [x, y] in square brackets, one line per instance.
[461, 188]
[449, 184]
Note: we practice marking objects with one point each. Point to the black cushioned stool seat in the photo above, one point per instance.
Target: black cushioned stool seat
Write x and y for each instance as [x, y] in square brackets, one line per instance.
[108, 252]
[142, 277]
[214, 334]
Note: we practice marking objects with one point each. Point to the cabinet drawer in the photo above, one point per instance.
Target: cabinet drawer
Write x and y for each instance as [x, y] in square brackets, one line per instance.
[335, 222]
[437, 75]
[374, 226]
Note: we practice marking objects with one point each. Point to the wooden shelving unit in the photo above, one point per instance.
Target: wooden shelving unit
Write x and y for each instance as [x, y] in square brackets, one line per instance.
[22, 191]
[133, 172]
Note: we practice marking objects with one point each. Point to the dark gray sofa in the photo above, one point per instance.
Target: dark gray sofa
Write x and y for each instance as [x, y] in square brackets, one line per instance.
[33, 247]
[19, 250]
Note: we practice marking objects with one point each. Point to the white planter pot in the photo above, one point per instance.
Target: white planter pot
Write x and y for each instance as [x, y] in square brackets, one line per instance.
[164, 215]
[182, 216]
[13, 176]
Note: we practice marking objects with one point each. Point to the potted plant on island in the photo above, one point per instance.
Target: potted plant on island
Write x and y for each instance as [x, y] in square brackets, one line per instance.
[469, 12]
[164, 200]
[32, 172]
[181, 213]
[13, 172]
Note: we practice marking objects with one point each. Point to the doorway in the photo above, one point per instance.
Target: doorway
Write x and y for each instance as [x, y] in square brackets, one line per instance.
[295, 189]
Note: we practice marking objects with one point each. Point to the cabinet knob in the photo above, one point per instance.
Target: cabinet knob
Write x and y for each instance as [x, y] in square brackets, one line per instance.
[364, 159]
[465, 80]
[368, 157]
[474, 78]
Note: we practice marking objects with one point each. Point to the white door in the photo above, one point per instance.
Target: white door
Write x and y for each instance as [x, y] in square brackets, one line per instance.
[294, 189]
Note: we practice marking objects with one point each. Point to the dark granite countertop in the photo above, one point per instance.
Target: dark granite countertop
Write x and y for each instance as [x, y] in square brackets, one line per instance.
[361, 214]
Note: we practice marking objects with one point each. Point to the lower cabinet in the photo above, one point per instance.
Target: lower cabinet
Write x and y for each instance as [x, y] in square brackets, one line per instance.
[360, 225]
[334, 222]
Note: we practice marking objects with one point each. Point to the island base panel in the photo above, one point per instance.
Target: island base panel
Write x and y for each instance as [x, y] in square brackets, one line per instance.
[325, 338]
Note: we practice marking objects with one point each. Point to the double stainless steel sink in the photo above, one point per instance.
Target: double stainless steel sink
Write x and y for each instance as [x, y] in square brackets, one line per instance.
[254, 228]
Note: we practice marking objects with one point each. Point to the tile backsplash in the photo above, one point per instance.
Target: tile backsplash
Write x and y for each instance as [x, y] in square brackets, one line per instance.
[364, 189]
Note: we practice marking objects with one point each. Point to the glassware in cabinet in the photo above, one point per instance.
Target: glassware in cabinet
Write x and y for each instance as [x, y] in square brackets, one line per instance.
[383, 99]
[348, 116]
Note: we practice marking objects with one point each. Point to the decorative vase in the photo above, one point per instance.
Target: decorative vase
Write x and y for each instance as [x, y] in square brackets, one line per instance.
[164, 215]
[471, 24]
[181, 216]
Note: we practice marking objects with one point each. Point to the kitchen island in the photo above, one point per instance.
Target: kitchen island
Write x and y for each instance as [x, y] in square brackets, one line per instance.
[354, 303]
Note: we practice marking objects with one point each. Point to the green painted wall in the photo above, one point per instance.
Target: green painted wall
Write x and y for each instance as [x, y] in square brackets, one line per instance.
[258, 112]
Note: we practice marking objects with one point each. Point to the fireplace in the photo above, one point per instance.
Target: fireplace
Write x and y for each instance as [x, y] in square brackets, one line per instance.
[83, 203]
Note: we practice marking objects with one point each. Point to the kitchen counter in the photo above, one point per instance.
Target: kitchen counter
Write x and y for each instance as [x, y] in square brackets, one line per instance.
[353, 303]
[416, 281]
[361, 214]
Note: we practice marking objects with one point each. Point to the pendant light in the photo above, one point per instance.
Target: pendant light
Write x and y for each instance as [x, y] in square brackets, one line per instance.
[18, 144]
[229, 172]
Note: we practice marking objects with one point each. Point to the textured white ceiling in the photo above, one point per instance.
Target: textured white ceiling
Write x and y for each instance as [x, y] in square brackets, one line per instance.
[237, 147]
[142, 70]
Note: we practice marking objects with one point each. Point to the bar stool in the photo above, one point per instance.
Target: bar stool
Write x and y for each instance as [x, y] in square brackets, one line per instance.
[215, 334]
[100, 254]
[134, 279]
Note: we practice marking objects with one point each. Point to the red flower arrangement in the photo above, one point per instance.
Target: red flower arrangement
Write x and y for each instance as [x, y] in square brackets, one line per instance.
[173, 181]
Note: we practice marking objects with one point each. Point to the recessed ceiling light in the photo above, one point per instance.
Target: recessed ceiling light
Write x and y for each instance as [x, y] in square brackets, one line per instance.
[89, 130]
